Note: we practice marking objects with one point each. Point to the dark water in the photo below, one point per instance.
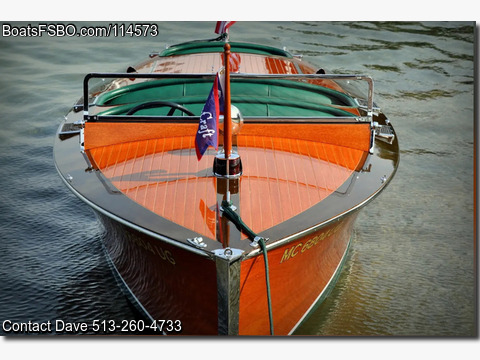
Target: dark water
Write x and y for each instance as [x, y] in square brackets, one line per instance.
[411, 269]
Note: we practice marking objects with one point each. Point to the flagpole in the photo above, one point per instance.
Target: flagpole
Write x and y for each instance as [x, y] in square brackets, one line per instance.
[227, 122]
[228, 164]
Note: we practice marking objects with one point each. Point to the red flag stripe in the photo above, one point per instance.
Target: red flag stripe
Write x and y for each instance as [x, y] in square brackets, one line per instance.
[222, 26]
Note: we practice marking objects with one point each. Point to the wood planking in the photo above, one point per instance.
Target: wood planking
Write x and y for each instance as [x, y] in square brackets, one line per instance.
[212, 62]
[282, 178]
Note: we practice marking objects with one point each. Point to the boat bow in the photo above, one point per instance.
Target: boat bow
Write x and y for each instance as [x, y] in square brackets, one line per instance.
[295, 165]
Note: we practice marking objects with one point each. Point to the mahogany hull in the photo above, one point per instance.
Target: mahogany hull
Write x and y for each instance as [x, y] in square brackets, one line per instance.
[302, 272]
[167, 283]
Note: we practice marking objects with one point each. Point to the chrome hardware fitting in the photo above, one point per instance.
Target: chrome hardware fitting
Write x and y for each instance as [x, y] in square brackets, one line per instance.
[229, 254]
[233, 207]
[230, 168]
[70, 129]
[82, 140]
[197, 242]
[363, 104]
[255, 241]
[384, 133]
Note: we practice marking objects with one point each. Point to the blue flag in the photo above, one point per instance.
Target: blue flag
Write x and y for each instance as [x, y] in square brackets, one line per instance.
[207, 133]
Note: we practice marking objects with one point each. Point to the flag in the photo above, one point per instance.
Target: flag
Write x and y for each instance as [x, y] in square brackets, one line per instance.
[222, 26]
[207, 133]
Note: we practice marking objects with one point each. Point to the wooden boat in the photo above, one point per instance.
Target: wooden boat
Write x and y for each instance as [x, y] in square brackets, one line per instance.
[249, 239]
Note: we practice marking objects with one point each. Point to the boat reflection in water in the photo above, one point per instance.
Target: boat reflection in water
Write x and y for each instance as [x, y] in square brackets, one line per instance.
[245, 239]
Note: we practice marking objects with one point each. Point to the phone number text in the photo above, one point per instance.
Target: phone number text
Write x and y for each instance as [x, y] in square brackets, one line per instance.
[165, 326]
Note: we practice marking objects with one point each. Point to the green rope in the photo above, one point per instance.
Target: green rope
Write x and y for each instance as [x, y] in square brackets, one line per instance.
[231, 215]
[261, 242]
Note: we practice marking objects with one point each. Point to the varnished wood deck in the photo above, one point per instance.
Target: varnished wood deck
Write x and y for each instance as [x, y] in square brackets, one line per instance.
[283, 176]
[247, 63]
[212, 62]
